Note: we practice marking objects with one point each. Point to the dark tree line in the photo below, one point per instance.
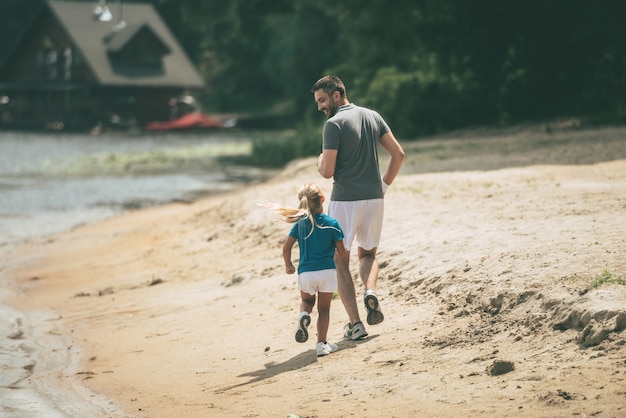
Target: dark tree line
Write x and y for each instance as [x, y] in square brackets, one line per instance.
[426, 65]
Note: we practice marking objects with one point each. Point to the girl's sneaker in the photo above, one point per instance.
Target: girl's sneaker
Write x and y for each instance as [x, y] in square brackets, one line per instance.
[302, 334]
[324, 349]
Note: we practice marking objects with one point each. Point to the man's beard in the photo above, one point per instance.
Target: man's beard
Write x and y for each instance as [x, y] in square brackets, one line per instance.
[332, 110]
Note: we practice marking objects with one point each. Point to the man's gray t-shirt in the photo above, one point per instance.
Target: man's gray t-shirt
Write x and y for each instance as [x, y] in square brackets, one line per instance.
[354, 132]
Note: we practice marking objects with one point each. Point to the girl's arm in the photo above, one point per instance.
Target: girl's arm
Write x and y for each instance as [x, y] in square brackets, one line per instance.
[287, 246]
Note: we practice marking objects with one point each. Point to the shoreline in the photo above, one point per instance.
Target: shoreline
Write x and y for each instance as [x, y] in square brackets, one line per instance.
[44, 380]
[185, 309]
[40, 359]
[54, 185]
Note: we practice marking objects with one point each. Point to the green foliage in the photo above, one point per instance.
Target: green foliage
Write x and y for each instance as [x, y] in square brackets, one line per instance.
[162, 161]
[14, 17]
[606, 277]
[272, 152]
[426, 65]
[436, 103]
[277, 150]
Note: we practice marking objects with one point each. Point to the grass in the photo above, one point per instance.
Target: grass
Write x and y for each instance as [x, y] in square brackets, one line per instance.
[199, 157]
[607, 277]
[277, 149]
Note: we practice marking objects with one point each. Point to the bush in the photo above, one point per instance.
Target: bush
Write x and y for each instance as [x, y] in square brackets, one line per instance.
[280, 149]
[423, 102]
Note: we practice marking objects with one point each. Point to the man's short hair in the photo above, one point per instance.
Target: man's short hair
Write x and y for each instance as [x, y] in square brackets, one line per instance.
[330, 84]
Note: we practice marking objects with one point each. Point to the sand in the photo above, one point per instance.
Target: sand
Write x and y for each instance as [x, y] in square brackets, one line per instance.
[491, 245]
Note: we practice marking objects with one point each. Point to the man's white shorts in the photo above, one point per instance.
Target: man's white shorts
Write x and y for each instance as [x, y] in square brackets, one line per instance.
[361, 219]
[312, 282]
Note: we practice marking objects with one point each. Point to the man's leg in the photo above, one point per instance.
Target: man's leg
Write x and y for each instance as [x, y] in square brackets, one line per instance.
[368, 269]
[355, 330]
[345, 287]
[344, 213]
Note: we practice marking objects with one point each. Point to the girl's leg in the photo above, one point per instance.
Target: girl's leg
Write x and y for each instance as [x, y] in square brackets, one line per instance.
[304, 319]
[308, 302]
[323, 319]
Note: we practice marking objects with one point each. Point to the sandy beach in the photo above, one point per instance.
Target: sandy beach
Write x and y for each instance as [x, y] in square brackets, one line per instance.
[492, 242]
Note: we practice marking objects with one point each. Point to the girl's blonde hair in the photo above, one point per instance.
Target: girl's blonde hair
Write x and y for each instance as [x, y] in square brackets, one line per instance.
[310, 197]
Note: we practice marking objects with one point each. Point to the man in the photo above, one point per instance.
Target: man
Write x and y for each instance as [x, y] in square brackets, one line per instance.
[350, 156]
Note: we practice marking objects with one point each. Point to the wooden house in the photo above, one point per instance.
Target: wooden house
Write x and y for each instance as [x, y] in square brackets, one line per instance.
[77, 65]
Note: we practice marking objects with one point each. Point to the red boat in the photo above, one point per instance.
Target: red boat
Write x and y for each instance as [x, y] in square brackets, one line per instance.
[188, 121]
[187, 114]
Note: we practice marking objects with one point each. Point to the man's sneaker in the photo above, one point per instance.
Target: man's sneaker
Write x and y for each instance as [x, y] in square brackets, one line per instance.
[374, 314]
[303, 322]
[355, 332]
[324, 349]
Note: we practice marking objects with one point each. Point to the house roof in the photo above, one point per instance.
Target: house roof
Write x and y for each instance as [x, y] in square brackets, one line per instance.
[120, 38]
[90, 37]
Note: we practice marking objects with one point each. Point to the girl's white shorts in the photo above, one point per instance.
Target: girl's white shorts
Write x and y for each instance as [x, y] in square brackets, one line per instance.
[312, 282]
[360, 219]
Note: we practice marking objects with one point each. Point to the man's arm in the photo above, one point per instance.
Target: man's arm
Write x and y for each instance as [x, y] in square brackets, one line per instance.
[326, 163]
[389, 142]
[341, 248]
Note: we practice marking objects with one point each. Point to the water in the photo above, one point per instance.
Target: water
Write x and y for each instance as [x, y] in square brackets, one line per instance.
[52, 183]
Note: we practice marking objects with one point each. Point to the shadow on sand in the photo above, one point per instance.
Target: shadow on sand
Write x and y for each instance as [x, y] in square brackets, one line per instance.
[300, 361]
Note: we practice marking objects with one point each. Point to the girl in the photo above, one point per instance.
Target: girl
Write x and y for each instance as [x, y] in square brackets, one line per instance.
[318, 236]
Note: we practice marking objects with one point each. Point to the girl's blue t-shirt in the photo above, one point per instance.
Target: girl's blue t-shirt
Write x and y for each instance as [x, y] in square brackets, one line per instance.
[317, 251]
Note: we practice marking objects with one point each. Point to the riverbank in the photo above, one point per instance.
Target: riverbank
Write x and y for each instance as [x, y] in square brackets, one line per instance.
[487, 284]
[51, 183]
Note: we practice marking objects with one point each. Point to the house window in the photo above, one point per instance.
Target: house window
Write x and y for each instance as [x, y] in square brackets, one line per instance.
[139, 56]
[56, 63]
[136, 49]
[149, 58]
[67, 63]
